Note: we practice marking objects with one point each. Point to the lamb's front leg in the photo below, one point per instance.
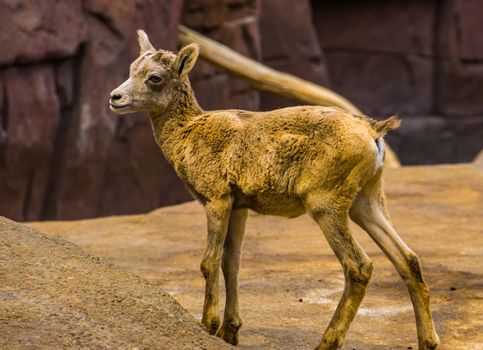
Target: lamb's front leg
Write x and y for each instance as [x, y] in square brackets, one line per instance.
[218, 214]
[230, 265]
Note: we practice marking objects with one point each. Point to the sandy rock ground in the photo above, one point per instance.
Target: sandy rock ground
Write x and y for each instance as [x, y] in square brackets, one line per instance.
[53, 295]
[290, 281]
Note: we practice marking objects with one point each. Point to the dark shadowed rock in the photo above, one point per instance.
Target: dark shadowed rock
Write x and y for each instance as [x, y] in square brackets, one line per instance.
[459, 73]
[32, 31]
[461, 89]
[470, 29]
[397, 27]
[64, 78]
[30, 115]
[436, 139]
[379, 55]
[383, 84]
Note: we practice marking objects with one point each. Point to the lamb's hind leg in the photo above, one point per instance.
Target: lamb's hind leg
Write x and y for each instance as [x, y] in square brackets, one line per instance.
[218, 213]
[369, 211]
[230, 264]
[355, 263]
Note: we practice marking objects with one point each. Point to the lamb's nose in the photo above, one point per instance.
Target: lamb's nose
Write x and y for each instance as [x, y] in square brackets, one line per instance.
[116, 97]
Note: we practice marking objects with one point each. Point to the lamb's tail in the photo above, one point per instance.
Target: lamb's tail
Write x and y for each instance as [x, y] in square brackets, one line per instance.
[383, 126]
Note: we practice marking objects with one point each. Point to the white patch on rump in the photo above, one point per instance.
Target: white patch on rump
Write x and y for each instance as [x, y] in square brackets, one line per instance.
[379, 152]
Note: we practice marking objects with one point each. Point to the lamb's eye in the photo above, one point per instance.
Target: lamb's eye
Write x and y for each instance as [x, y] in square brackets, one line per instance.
[155, 78]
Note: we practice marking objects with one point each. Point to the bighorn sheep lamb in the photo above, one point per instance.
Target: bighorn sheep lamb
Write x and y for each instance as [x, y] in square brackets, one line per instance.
[308, 159]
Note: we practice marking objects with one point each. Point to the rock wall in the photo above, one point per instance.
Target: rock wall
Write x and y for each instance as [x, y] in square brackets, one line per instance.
[63, 154]
[421, 60]
[290, 44]
[233, 23]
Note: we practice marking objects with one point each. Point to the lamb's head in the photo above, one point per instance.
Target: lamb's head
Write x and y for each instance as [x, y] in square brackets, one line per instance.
[155, 78]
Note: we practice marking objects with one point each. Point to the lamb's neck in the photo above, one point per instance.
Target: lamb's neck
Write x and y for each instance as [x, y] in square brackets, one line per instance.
[166, 125]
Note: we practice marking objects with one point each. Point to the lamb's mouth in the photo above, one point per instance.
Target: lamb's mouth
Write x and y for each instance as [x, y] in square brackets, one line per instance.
[118, 108]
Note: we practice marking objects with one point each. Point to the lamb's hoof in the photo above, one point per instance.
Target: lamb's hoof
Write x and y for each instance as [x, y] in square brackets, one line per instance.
[229, 331]
[430, 344]
[333, 344]
[211, 325]
[323, 347]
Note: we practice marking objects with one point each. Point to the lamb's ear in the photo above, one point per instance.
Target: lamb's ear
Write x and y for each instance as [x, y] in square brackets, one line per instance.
[186, 59]
[144, 43]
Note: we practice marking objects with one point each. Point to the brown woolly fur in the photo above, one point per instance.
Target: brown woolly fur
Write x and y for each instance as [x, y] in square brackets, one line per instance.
[307, 159]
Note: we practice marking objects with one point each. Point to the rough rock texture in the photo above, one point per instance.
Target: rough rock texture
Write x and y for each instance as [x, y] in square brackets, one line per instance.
[459, 47]
[24, 161]
[113, 161]
[441, 139]
[289, 44]
[290, 281]
[55, 296]
[233, 23]
[375, 58]
[63, 154]
[32, 31]
[414, 59]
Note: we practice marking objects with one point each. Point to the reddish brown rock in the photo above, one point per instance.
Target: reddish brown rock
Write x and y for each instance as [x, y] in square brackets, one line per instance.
[137, 178]
[83, 184]
[30, 114]
[75, 159]
[32, 31]
[204, 14]
[459, 71]
[3, 121]
[209, 88]
[379, 56]
[435, 139]
[95, 42]
[383, 84]
[235, 24]
[461, 89]
[287, 30]
[289, 44]
[64, 78]
[470, 24]
[397, 27]
[242, 35]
